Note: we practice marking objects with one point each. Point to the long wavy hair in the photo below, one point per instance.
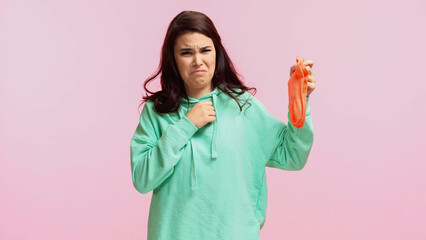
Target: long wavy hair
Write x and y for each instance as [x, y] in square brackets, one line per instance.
[225, 77]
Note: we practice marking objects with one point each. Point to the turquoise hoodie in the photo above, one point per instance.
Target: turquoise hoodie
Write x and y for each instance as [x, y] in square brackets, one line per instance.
[210, 183]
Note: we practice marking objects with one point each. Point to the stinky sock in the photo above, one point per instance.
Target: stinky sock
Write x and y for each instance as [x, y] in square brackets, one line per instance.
[297, 91]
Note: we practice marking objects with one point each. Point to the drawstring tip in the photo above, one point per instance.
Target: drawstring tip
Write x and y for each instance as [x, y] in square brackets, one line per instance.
[194, 188]
[214, 155]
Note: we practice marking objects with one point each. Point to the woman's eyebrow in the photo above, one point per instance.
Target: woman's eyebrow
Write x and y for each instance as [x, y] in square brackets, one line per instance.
[188, 49]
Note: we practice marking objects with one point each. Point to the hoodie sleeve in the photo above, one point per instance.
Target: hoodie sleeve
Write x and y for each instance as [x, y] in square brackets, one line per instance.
[294, 144]
[153, 157]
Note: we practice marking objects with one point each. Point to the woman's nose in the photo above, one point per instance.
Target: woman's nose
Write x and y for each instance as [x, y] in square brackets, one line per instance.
[197, 60]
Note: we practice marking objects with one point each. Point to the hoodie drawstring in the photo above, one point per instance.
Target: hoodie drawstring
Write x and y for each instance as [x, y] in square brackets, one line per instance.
[194, 181]
[214, 140]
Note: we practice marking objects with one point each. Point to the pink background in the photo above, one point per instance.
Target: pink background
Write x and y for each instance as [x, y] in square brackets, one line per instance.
[71, 75]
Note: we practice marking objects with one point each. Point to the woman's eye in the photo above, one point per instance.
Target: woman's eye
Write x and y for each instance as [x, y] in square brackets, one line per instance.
[188, 53]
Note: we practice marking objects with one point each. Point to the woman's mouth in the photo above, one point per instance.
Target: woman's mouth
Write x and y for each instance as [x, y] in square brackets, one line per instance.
[199, 72]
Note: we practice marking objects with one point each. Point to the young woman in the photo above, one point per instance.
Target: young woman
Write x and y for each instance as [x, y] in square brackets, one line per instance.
[203, 141]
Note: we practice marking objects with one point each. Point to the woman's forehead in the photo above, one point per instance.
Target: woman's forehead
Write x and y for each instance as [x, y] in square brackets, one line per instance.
[193, 40]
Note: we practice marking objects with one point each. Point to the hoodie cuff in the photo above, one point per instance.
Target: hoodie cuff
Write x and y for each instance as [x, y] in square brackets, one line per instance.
[186, 127]
[178, 135]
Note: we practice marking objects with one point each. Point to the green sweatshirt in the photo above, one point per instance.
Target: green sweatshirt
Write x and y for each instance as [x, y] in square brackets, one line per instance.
[210, 183]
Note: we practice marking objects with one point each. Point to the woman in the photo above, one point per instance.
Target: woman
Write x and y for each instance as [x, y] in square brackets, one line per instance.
[203, 141]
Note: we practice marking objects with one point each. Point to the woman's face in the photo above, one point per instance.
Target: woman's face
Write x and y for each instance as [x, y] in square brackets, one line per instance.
[195, 58]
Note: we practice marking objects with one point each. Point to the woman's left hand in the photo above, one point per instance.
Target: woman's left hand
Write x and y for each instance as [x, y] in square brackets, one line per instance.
[311, 80]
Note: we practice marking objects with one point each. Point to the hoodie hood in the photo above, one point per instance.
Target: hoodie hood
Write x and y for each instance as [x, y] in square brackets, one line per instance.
[183, 110]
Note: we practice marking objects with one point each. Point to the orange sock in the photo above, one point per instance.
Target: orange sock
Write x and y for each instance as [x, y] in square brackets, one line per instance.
[297, 91]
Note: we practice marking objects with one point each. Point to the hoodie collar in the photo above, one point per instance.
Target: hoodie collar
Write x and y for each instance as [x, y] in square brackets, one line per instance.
[207, 96]
[211, 96]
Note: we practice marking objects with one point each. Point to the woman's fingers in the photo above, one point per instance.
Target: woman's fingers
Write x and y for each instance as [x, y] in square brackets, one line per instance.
[311, 80]
[309, 63]
[311, 84]
[309, 70]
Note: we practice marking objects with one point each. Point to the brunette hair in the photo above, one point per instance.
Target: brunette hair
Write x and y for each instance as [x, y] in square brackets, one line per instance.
[225, 77]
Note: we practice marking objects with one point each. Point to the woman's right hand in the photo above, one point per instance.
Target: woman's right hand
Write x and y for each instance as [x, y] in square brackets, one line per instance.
[202, 113]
